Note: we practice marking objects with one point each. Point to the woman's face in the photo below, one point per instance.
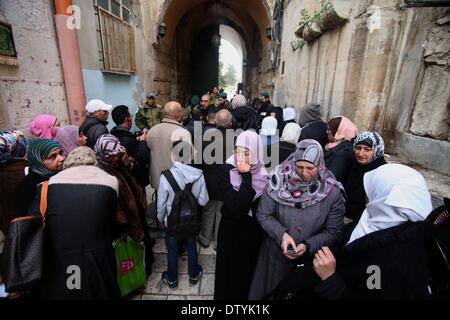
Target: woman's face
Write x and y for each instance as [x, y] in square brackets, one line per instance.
[82, 140]
[306, 170]
[55, 160]
[242, 155]
[363, 154]
[330, 135]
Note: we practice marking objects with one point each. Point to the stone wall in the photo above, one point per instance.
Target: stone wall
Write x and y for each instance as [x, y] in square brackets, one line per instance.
[386, 68]
[36, 85]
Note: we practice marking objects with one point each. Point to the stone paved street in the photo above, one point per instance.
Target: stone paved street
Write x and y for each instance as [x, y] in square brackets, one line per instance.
[155, 290]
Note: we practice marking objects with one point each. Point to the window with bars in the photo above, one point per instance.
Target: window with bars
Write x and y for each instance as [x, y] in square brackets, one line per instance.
[115, 36]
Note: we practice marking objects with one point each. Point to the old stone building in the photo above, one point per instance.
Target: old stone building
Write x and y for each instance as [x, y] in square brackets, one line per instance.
[380, 62]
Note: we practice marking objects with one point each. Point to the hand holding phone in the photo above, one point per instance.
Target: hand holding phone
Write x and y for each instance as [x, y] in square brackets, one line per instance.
[291, 250]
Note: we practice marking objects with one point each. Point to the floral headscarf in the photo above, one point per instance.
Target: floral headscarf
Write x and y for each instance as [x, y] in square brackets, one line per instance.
[373, 140]
[287, 188]
[12, 145]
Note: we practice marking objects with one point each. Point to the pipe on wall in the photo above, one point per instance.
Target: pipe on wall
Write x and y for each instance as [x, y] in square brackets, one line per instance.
[70, 60]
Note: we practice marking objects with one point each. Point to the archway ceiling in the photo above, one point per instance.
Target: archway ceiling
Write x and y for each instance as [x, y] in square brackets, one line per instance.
[248, 16]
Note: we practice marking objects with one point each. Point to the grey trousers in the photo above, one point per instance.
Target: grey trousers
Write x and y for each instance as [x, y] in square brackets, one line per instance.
[210, 221]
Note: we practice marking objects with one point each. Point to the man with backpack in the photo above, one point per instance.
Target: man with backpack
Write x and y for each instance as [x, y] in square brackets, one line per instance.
[181, 192]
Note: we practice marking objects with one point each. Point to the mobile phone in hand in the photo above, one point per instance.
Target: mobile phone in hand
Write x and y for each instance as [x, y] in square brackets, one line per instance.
[290, 250]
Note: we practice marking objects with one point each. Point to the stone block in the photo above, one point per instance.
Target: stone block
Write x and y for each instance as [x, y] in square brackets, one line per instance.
[431, 112]
[207, 285]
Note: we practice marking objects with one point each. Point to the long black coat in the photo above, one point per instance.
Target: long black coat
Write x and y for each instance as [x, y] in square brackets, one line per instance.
[81, 206]
[316, 130]
[238, 239]
[399, 255]
[354, 188]
[339, 160]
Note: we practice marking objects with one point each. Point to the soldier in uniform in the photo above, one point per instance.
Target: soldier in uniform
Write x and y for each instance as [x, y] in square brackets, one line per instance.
[149, 114]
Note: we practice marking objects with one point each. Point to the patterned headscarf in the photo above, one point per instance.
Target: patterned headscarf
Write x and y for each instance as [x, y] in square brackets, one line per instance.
[12, 145]
[251, 141]
[67, 137]
[37, 152]
[287, 188]
[106, 146]
[373, 140]
[238, 101]
[43, 126]
[81, 156]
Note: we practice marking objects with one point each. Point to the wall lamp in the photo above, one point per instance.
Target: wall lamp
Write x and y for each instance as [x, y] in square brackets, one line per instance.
[162, 28]
[269, 32]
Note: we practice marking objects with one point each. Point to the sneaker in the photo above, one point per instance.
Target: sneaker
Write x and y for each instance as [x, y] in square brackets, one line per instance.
[202, 245]
[194, 281]
[170, 284]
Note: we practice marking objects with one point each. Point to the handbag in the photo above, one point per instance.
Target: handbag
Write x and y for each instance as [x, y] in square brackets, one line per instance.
[24, 249]
[130, 265]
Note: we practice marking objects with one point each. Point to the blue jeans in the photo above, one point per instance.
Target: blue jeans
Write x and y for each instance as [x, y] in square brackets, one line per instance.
[173, 246]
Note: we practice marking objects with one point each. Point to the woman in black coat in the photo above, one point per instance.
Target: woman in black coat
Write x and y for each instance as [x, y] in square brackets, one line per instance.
[79, 260]
[339, 150]
[369, 151]
[242, 180]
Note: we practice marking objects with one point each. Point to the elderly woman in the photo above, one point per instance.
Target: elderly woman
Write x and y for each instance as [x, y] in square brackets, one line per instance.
[44, 126]
[301, 211]
[389, 235]
[369, 150]
[339, 150]
[289, 140]
[242, 180]
[69, 138]
[79, 231]
[46, 159]
[132, 204]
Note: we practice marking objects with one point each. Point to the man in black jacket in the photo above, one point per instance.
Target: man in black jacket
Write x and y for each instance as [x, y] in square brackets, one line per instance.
[135, 145]
[95, 123]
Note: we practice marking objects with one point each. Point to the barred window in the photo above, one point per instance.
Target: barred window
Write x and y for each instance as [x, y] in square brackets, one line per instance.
[115, 36]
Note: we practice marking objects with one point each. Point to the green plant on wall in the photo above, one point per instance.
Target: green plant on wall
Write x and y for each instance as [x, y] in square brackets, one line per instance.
[304, 17]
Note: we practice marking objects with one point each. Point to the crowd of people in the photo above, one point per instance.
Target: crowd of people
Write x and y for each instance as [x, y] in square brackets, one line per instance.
[272, 185]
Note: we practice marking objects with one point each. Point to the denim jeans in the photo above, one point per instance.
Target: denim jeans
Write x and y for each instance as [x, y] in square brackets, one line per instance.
[173, 246]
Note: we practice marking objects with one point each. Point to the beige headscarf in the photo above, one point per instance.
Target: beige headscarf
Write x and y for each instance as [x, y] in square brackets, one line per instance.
[81, 156]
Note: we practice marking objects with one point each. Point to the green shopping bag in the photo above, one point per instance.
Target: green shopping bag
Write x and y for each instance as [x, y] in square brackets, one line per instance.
[130, 265]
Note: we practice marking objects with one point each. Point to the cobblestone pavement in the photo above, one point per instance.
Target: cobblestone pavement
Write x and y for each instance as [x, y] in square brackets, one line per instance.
[203, 290]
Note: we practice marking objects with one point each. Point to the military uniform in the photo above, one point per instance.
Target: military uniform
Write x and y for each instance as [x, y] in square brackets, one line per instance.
[147, 117]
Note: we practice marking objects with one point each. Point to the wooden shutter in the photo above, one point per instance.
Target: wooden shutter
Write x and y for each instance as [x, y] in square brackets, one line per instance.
[118, 43]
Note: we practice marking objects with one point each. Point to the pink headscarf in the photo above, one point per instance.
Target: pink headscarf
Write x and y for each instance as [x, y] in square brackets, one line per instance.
[346, 131]
[67, 137]
[43, 126]
[251, 141]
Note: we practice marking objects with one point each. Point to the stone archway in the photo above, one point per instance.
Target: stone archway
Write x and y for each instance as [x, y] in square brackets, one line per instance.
[186, 19]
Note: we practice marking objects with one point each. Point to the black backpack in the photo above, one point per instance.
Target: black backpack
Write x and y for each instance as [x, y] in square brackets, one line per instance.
[184, 220]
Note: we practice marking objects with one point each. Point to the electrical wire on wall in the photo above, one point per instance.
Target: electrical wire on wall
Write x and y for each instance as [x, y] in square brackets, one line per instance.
[278, 12]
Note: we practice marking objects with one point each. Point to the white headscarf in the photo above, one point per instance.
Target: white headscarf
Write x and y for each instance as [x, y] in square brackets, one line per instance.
[291, 133]
[289, 114]
[396, 194]
[269, 126]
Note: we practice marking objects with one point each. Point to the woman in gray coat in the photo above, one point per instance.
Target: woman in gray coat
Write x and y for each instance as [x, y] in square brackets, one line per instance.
[301, 211]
